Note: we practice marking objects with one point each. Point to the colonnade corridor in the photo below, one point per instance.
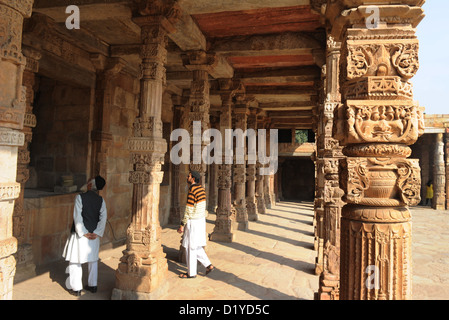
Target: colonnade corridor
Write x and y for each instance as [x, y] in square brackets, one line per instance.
[273, 259]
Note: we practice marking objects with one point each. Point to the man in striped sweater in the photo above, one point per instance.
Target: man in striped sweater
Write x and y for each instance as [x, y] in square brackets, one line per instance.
[193, 225]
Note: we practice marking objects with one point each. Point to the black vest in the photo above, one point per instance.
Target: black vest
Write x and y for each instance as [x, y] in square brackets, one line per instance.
[91, 210]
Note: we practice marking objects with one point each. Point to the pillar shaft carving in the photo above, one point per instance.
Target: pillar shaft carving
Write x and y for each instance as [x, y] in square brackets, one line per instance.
[108, 70]
[201, 63]
[241, 112]
[266, 178]
[375, 123]
[260, 201]
[439, 175]
[142, 269]
[175, 210]
[446, 146]
[24, 256]
[328, 158]
[223, 230]
[251, 204]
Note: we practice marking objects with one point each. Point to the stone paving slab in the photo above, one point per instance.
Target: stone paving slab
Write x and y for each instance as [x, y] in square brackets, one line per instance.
[273, 260]
[430, 251]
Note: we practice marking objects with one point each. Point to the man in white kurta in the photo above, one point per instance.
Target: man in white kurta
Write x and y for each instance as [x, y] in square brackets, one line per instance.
[83, 245]
[193, 225]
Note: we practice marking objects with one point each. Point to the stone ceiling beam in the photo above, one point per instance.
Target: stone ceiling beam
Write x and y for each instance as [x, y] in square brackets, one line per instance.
[265, 98]
[207, 6]
[295, 121]
[90, 10]
[187, 35]
[283, 90]
[40, 24]
[290, 43]
[290, 114]
[306, 73]
[287, 106]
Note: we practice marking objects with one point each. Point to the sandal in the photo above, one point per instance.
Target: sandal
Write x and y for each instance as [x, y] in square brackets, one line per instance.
[209, 269]
[186, 276]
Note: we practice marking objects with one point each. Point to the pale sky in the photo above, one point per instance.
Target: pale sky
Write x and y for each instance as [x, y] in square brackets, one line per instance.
[431, 83]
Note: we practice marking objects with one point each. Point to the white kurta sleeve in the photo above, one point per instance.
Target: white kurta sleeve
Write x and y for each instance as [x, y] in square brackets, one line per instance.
[102, 223]
[78, 218]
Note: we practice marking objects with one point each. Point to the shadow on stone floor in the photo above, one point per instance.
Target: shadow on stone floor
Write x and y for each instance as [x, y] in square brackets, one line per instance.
[303, 266]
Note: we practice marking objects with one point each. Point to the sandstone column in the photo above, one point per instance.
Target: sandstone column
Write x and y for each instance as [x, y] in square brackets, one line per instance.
[320, 132]
[212, 192]
[107, 72]
[376, 123]
[223, 230]
[142, 270]
[439, 175]
[175, 210]
[266, 178]
[12, 113]
[260, 202]
[241, 116]
[329, 154]
[446, 135]
[251, 205]
[24, 255]
[260, 179]
[200, 62]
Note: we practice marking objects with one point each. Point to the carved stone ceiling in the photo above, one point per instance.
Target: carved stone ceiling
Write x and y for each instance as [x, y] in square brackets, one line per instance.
[276, 47]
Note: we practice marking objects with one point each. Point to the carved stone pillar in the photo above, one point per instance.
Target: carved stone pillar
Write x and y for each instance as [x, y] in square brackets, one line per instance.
[212, 192]
[142, 270]
[266, 178]
[446, 135]
[107, 72]
[223, 230]
[319, 217]
[251, 205]
[200, 62]
[24, 256]
[439, 175]
[376, 123]
[260, 202]
[175, 210]
[241, 117]
[329, 155]
[319, 128]
[12, 114]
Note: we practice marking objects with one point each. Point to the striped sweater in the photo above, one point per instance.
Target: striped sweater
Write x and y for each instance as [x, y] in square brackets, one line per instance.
[196, 203]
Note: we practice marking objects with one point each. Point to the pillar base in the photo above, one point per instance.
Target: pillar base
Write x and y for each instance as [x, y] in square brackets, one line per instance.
[253, 217]
[118, 294]
[242, 225]
[25, 267]
[222, 237]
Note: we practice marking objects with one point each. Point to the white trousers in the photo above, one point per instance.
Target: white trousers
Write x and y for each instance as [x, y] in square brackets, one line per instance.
[75, 279]
[192, 256]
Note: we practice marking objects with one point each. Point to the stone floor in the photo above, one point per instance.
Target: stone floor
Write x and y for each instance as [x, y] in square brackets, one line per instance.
[273, 260]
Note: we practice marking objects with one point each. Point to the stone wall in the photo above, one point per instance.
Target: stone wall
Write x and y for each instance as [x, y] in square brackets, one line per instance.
[60, 144]
[49, 223]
